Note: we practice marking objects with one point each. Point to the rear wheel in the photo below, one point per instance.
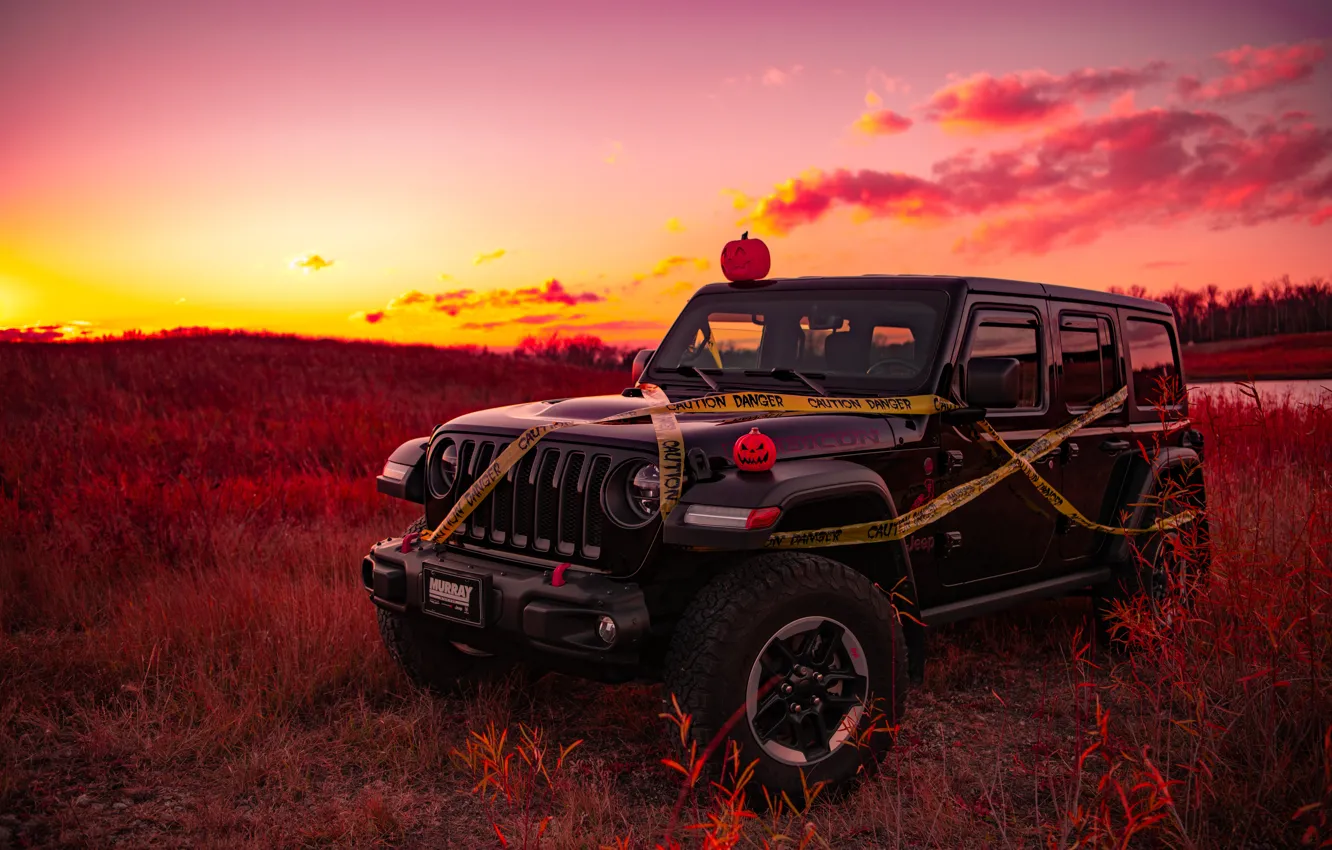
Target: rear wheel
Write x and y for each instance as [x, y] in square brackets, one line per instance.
[424, 651]
[800, 661]
[1166, 572]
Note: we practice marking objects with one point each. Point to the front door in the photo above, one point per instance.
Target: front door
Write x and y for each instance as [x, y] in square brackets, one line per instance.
[1004, 534]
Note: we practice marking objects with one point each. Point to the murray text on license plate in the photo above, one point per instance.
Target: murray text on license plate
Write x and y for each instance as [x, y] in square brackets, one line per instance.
[453, 596]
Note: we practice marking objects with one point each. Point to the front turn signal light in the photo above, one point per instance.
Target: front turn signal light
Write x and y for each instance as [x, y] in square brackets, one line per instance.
[740, 519]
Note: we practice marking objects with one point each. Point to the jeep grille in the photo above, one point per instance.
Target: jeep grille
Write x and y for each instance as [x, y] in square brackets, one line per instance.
[549, 505]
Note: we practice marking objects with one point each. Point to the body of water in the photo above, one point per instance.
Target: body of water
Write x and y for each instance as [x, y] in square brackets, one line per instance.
[1308, 392]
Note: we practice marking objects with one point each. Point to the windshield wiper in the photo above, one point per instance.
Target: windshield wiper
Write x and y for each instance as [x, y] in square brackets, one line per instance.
[694, 370]
[782, 374]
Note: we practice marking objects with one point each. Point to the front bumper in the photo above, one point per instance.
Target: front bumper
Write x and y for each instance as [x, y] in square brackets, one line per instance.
[524, 612]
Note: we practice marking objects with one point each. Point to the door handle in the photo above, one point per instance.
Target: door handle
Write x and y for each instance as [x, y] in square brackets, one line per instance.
[1116, 446]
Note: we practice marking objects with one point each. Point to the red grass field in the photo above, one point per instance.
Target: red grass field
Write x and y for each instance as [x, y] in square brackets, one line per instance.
[1276, 357]
[186, 656]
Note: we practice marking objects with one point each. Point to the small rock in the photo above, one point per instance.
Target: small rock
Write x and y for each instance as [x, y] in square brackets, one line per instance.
[9, 820]
[82, 800]
[120, 807]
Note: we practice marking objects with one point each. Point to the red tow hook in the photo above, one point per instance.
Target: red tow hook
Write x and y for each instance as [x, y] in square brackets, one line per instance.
[408, 540]
[557, 577]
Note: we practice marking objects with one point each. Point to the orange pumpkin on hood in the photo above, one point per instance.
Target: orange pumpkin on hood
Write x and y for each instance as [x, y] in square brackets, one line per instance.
[754, 452]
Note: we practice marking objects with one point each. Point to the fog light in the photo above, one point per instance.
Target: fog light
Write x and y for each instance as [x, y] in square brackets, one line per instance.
[606, 630]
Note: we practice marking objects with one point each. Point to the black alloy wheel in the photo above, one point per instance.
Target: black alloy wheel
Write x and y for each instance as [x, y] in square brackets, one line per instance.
[807, 690]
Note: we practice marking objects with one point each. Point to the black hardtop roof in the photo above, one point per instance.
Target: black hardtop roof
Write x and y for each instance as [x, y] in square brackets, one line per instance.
[950, 283]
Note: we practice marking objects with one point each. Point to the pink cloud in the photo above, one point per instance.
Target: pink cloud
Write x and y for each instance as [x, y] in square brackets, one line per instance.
[612, 325]
[985, 103]
[455, 301]
[38, 333]
[808, 198]
[1255, 69]
[542, 319]
[1074, 184]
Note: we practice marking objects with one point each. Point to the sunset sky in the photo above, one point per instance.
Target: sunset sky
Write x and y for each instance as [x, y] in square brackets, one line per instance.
[473, 173]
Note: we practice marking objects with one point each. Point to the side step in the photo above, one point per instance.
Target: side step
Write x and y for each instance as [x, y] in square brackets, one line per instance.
[976, 606]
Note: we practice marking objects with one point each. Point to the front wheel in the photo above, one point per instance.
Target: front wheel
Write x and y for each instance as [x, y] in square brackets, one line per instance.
[800, 661]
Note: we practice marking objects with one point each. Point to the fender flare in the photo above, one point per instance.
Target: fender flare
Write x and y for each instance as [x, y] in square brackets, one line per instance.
[411, 486]
[787, 485]
[1138, 485]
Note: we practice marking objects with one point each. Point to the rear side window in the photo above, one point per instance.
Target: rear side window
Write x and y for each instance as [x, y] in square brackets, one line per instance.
[1088, 351]
[1155, 361]
[1013, 335]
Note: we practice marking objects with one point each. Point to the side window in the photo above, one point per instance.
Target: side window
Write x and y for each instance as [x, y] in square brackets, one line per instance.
[1002, 333]
[1155, 362]
[1088, 351]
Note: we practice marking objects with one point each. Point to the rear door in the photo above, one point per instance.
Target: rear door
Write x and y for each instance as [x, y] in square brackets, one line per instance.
[1004, 534]
[1088, 371]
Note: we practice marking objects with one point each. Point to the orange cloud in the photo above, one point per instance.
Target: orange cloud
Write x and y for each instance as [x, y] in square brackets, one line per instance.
[882, 122]
[671, 264]
[311, 263]
[984, 103]
[1256, 69]
[488, 258]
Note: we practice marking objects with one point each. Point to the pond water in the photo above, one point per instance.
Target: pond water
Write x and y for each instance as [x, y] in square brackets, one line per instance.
[1307, 391]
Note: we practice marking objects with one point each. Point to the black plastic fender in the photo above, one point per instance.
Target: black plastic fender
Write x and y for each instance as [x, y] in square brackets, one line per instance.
[409, 460]
[801, 482]
[1137, 486]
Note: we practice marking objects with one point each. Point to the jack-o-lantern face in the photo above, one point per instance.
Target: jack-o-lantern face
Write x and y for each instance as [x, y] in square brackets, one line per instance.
[745, 259]
[754, 452]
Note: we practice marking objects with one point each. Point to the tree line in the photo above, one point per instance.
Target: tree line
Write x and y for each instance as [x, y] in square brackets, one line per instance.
[1277, 306]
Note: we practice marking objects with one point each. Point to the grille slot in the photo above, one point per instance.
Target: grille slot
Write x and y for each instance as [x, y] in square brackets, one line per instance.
[594, 516]
[548, 504]
[502, 502]
[571, 504]
[547, 500]
[481, 517]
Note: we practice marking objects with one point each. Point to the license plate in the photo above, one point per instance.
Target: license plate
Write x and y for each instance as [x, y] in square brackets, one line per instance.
[455, 596]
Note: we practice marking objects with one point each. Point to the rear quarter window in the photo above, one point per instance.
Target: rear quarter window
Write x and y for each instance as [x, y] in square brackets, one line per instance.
[1155, 361]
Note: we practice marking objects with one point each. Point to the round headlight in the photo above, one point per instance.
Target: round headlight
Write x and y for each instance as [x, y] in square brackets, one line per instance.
[631, 495]
[442, 468]
[644, 490]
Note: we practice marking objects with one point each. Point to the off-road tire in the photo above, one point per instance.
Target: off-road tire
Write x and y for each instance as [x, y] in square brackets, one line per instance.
[422, 649]
[726, 627]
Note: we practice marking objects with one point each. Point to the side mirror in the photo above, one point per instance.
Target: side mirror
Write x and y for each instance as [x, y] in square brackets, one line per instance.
[640, 363]
[993, 382]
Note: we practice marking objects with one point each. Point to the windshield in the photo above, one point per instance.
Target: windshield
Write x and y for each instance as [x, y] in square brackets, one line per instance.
[884, 340]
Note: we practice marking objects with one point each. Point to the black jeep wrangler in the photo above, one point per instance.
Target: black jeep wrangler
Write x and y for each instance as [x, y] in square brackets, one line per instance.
[794, 655]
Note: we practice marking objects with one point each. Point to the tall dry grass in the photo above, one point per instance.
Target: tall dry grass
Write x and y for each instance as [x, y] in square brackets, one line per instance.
[186, 656]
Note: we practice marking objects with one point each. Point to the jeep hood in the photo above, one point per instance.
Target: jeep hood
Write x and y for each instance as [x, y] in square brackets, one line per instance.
[716, 433]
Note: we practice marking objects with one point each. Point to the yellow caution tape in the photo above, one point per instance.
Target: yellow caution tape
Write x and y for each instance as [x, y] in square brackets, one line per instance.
[1065, 507]
[670, 448]
[667, 429]
[671, 451]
